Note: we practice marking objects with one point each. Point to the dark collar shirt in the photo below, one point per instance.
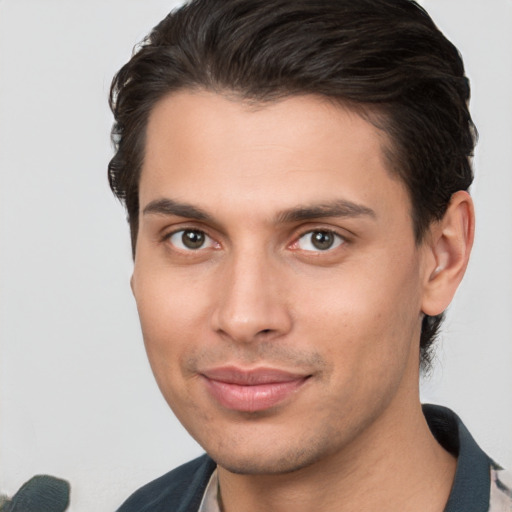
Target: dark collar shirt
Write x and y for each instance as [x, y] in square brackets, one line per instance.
[480, 484]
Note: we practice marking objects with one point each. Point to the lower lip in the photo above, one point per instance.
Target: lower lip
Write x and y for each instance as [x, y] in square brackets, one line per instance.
[252, 398]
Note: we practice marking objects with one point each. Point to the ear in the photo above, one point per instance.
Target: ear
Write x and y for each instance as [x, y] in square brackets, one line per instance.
[448, 248]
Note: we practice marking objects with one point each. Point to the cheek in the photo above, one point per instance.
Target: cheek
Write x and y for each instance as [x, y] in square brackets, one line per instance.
[363, 317]
[173, 314]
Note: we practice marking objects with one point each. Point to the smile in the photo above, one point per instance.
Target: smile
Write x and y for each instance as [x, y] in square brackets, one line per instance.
[251, 391]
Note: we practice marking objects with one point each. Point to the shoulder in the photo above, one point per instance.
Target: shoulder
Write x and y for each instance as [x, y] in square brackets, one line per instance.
[179, 490]
[501, 490]
[480, 484]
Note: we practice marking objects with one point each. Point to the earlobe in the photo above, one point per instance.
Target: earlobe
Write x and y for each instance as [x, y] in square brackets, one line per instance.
[449, 248]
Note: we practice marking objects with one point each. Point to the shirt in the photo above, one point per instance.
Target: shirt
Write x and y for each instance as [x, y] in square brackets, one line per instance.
[476, 477]
[480, 485]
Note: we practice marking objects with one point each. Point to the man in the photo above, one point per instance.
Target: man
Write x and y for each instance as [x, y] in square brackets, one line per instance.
[296, 175]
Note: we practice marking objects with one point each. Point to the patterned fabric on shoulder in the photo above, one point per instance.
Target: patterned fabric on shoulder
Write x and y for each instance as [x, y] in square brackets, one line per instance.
[501, 490]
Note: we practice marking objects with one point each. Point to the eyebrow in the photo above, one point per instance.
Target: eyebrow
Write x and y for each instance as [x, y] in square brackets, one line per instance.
[337, 208]
[170, 207]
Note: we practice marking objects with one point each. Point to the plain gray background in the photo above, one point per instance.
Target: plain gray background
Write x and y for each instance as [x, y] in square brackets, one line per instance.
[77, 398]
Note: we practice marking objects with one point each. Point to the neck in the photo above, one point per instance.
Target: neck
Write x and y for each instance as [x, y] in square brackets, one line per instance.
[396, 464]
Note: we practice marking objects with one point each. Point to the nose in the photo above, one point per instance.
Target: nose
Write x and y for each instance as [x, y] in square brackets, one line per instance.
[251, 303]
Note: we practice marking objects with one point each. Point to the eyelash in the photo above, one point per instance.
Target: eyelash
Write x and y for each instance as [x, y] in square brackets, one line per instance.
[337, 240]
[169, 238]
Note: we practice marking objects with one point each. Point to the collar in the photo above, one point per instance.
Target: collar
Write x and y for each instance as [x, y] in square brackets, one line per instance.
[471, 487]
[210, 501]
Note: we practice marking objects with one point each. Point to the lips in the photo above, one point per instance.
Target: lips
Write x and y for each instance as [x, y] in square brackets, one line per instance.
[251, 390]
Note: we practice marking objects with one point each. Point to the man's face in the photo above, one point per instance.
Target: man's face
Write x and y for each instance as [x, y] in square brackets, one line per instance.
[277, 278]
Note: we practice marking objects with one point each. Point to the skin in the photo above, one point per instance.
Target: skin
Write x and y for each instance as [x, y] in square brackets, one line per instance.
[258, 182]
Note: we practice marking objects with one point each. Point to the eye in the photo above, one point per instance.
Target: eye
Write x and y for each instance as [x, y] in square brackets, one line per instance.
[319, 240]
[190, 240]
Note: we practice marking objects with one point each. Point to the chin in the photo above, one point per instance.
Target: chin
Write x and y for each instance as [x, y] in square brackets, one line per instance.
[279, 460]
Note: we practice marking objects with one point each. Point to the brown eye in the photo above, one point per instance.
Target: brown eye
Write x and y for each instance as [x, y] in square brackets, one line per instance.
[320, 240]
[190, 239]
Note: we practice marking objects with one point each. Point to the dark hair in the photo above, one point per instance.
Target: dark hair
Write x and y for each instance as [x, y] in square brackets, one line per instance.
[385, 58]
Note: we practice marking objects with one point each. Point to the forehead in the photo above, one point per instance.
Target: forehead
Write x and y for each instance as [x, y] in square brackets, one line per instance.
[302, 149]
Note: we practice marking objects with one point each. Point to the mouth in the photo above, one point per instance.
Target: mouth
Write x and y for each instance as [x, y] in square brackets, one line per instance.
[251, 390]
